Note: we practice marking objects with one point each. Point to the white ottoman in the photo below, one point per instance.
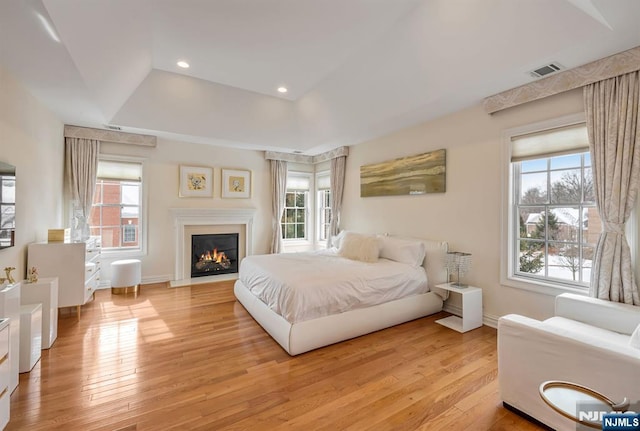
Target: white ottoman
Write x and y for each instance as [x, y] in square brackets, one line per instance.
[125, 276]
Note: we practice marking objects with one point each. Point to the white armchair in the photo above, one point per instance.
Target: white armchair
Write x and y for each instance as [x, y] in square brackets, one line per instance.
[586, 342]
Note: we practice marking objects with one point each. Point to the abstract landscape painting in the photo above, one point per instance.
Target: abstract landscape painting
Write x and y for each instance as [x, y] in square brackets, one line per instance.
[413, 175]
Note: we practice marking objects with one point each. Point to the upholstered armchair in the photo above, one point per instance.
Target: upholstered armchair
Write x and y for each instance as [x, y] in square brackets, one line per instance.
[587, 342]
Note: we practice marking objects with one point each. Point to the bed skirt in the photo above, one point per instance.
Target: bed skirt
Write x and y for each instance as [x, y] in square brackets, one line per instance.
[304, 336]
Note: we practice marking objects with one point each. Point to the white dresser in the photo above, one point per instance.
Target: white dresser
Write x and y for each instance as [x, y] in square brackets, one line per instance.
[5, 371]
[45, 292]
[10, 307]
[76, 264]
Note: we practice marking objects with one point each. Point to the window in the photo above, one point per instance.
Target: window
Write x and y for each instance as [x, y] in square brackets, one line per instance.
[294, 219]
[7, 206]
[129, 233]
[117, 205]
[324, 205]
[554, 221]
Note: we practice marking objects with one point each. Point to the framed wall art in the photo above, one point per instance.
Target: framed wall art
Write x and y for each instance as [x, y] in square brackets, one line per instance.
[196, 182]
[413, 175]
[236, 183]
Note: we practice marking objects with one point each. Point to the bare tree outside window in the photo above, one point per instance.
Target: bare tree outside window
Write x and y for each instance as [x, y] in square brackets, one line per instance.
[556, 218]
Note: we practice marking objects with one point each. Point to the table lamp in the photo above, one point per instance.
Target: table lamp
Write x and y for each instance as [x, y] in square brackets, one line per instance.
[458, 263]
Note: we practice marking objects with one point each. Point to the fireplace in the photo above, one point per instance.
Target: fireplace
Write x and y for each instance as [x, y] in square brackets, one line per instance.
[200, 221]
[213, 254]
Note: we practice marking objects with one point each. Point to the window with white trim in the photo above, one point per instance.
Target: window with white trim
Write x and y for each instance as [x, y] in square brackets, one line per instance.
[323, 187]
[117, 205]
[295, 217]
[553, 219]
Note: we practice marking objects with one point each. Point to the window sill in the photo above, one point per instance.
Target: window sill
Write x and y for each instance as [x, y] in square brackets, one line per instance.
[541, 287]
[121, 254]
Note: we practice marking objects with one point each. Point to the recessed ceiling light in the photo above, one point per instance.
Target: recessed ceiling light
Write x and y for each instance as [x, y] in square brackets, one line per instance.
[282, 89]
[183, 64]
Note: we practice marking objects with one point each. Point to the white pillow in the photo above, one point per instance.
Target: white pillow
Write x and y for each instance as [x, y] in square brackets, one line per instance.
[337, 239]
[634, 341]
[361, 247]
[411, 252]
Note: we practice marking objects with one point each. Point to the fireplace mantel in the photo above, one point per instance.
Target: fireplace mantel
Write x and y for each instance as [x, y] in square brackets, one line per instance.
[183, 217]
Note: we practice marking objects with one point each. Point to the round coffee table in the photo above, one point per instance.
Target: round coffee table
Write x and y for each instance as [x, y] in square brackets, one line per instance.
[564, 396]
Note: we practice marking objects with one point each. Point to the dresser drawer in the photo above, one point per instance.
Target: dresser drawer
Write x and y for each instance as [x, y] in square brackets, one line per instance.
[92, 255]
[4, 404]
[4, 341]
[90, 270]
[5, 370]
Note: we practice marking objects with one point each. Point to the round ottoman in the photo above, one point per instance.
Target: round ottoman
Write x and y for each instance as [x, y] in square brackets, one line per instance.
[125, 276]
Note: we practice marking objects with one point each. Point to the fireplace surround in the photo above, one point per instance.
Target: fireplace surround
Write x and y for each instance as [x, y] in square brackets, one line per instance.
[196, 221]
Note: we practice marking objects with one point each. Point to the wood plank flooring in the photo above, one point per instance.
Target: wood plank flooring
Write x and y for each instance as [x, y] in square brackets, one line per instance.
[192, 358]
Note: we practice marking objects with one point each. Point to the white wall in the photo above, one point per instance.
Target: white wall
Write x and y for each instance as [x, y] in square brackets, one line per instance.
[31, 139]
[161, 170]
[469, 214]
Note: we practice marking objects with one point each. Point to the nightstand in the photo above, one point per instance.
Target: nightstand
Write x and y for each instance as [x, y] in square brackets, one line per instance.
[471, 308]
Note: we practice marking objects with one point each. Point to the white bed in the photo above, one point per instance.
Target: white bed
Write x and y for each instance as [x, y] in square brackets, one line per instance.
[264, 289]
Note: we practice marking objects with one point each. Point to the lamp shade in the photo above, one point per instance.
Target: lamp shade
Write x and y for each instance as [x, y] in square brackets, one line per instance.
[458, 263]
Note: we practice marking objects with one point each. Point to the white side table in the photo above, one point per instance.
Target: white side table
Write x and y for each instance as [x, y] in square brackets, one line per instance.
[44, 291]
[471, 308]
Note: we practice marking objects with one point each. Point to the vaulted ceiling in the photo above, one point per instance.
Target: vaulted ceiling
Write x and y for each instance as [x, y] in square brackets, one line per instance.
[354, 69]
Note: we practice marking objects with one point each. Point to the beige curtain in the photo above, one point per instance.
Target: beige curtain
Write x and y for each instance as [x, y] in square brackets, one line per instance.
[279, 188]
[613, 123]
[81, 166]
[338, 168]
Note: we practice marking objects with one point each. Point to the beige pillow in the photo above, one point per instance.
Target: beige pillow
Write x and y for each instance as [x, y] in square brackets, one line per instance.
[355, 246]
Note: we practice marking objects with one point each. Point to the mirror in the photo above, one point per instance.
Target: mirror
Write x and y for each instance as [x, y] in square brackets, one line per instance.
[7, 205]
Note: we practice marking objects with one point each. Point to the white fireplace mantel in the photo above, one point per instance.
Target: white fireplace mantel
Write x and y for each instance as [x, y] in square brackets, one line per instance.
[183, 217]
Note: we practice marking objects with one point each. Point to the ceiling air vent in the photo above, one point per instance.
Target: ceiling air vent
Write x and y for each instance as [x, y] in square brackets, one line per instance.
[545, 70]
[111, 127]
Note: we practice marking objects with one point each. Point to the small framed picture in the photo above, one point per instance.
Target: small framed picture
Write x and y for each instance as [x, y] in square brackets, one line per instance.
[236, 183]
[196, 182]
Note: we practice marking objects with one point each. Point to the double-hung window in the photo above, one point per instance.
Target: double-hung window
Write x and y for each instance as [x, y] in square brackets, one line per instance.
[116, 213]
[7, 206]
[295, 217]
[554, 223]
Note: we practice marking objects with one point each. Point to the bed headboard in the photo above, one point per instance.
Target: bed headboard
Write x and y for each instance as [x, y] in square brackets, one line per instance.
[434, 261]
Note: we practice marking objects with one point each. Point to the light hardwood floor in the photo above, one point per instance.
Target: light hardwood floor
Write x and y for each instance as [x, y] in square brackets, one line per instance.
[192, 358]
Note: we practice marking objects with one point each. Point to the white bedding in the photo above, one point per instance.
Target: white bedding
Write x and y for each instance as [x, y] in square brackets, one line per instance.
[304, 286]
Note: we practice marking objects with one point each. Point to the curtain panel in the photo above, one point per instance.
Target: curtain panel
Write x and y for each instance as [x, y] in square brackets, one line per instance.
[81, 166]
[279, 193]
[613, 124]
[336, 178]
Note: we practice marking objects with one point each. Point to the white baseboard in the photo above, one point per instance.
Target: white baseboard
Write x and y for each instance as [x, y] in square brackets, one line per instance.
[203, 280]
[487, 319]
[106, 284]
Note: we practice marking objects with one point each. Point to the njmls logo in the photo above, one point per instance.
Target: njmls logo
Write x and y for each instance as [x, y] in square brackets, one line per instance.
[621, 422]
[599, 416]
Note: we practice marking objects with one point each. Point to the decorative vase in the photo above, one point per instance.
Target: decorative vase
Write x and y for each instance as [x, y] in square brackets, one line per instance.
[7, 271]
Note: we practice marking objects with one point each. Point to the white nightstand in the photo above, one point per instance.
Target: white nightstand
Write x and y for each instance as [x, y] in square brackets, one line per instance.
[471, 308]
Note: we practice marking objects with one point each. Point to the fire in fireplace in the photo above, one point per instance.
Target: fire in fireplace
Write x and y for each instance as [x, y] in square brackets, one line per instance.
[214, 254]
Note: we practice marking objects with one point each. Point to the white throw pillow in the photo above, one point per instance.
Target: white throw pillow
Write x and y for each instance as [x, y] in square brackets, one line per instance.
[634, 341]
[337, 239]
[361, 247]
[407, 251]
